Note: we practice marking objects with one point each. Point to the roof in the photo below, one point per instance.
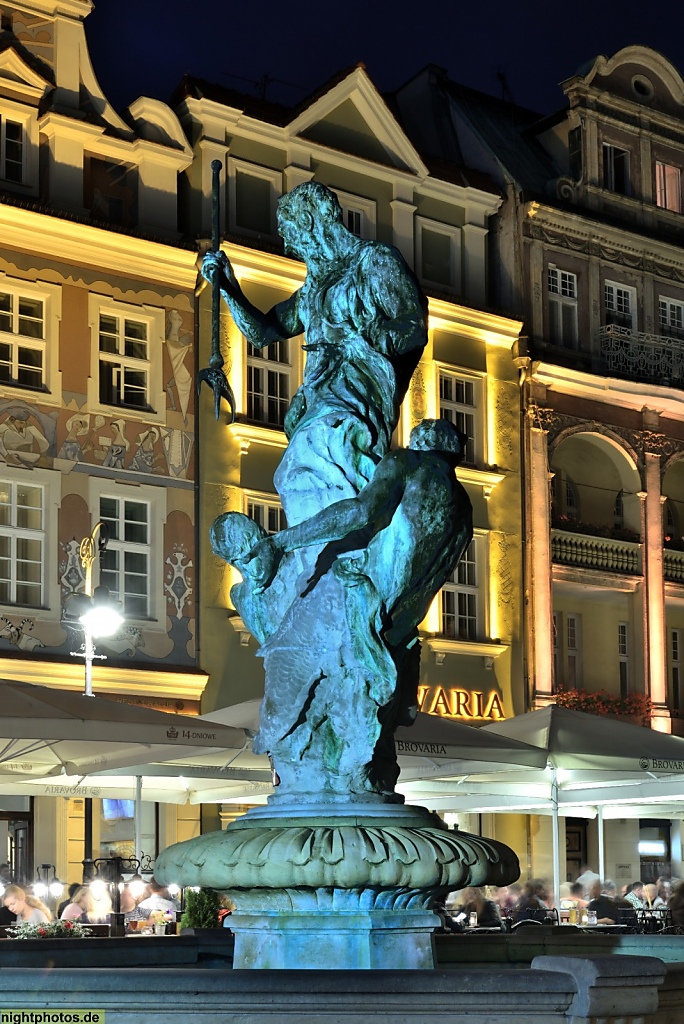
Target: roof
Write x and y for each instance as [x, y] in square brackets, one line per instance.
[441, 116]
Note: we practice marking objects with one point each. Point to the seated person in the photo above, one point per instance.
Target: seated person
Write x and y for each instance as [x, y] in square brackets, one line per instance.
[488, 913]
[610, 908]
[27, 908]
[158, 899]
[130, 909]
[634, 894]
[532, 905]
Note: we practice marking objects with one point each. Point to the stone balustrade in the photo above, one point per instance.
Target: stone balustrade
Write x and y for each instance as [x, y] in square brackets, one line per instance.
[603, 553]
[673, 565]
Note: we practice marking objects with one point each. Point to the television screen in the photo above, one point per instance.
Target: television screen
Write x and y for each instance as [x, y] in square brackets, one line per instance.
[112, 809]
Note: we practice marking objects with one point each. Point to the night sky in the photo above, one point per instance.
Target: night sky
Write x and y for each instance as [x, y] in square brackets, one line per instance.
[143, 47]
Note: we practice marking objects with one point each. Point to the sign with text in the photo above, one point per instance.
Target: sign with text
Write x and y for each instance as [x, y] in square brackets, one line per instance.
[452, 702]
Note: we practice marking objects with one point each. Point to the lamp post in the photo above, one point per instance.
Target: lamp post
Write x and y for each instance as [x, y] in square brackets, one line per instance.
[94, 609]
[45, 886]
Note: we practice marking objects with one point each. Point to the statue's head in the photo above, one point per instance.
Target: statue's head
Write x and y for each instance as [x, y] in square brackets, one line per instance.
[305, 214]
[233, 535]
[440, 436]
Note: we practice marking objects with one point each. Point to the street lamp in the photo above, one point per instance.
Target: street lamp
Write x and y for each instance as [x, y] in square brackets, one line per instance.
[94, 609]
[45, 886]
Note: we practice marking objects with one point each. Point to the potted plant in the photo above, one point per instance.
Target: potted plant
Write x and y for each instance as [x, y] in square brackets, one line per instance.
[201, 909]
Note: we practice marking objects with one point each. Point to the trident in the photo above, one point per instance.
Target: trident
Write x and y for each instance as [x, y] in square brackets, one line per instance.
[213, 374]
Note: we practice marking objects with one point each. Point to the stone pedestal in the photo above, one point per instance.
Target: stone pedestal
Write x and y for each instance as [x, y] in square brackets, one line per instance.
[342, 885]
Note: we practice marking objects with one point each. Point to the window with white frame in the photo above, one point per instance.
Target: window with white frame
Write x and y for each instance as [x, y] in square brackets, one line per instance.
[268, 514]
[562, 289]
[458, 403]
[269, 382]
[573, 647]
[619, 305]
[461, 597]
[438, 254]
[358, 214]
[616, 169]
[557, 681]
[675, 666]
[12, 150]
[623, 658]
[253, 193]
[668, 182]
[124, 361]
[125, 564]
[127, 351]
[670, 316]
[22, 338]
[22, 543]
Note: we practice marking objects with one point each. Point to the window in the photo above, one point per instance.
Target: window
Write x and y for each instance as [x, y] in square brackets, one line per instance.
[124, 361]
[619, 509]
[22, 543]
[438, 254]
[616, 169]
[253, 192]
[457, 403]
[575, 153]
[268, 514]
[358, 214]
[562, 287]
[22, 339]
[620, 305]
[675, 666]
[127, 351]
[269, 383]
[125, 565]
[460, 598]
[668, 187]
[623, 655]
[573, 651]
[671, 316]
[12, 150]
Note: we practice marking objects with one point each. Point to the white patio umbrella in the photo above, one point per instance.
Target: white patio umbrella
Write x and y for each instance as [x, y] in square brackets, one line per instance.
[45, 731]
[591, 762]
[431, 746]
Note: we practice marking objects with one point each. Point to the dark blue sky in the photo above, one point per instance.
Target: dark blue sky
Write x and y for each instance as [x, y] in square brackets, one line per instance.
[142, 47]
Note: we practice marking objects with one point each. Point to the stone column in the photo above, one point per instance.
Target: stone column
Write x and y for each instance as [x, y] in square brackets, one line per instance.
[654, 591]
[475, 264]
[403, 210]
[539, 540]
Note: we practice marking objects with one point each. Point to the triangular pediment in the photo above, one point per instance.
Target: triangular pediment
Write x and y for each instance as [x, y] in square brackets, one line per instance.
[353, 118]
[18, 78]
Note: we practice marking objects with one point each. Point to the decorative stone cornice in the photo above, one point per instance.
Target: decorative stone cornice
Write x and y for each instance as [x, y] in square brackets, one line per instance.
[579, 237]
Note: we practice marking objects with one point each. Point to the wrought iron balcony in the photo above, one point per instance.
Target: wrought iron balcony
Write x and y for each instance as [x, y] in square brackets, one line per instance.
[602, 553]
[652, 358]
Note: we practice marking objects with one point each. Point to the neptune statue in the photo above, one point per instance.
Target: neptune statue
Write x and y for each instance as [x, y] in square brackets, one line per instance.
[336, 871]
[335, 600]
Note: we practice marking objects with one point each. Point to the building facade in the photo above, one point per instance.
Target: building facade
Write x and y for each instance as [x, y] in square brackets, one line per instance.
[97, 413]
[588, 252]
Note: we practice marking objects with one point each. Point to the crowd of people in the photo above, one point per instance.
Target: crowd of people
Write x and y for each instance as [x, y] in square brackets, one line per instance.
[588, 898]
[89, 904]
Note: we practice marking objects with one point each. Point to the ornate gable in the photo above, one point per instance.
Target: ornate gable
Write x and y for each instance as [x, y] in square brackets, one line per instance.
[18, 80]
[353, 117]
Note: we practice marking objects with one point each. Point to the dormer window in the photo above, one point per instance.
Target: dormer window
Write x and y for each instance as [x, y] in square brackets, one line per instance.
[11, 150]
[616, 169]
